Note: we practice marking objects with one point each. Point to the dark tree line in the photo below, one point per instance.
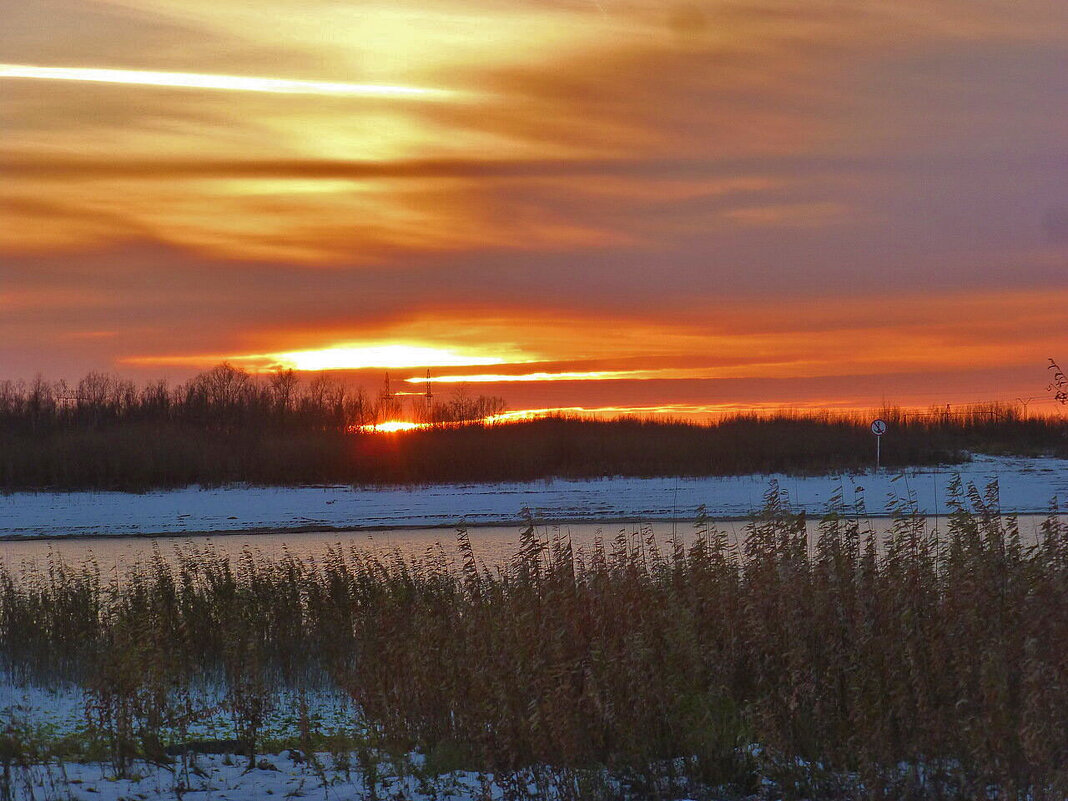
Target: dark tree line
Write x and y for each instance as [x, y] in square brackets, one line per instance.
[223, 399]
[226, 426]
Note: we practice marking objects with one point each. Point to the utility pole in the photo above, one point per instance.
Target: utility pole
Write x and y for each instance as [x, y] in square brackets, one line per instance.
[878, 428]
[386, 402]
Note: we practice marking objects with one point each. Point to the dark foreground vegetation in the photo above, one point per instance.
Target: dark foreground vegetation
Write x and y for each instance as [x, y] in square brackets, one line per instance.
[921, 666]
[227, 426]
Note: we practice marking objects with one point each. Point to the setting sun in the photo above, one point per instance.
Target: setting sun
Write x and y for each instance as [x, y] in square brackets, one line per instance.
[392, 426]
[380, 356]
[359, 357]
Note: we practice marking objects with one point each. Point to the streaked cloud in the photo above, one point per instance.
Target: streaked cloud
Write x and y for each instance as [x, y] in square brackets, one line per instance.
[508, 378]
[680, 196]
[223, 83]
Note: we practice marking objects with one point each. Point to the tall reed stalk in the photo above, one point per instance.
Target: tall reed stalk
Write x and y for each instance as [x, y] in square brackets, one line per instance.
[918, 665]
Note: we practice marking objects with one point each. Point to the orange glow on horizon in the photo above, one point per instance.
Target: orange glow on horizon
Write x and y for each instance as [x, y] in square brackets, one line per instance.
[500, 378]
[388, 356]
[700, 414]
[393, 426]
[684, 209]
[673, 410]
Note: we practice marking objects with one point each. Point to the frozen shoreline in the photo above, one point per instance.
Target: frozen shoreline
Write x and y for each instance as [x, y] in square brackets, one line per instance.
[1027, 485]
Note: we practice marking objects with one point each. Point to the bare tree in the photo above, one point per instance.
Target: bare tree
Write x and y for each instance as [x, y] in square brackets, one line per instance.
[1059, 385]
[155, 400]
[358, 410]
[283, 388]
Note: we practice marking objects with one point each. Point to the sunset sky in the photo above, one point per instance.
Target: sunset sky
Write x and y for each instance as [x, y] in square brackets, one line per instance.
[619, 204]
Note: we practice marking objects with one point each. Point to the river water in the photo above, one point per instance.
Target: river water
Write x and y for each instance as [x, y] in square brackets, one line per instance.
[495, 545]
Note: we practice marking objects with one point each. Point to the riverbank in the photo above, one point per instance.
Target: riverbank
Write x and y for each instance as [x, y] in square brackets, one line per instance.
[1028, 486]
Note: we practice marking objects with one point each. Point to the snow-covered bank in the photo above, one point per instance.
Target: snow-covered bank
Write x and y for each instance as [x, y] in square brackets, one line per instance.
[1027, 486]
[41, 720]
[216, 776]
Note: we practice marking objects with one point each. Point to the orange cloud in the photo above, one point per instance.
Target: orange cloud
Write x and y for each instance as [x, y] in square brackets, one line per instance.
[845, 200]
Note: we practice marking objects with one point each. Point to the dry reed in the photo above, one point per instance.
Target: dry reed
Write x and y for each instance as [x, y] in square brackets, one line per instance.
[916, 666]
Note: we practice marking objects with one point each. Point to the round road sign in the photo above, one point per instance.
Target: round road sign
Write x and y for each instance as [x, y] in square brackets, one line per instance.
[878, 427]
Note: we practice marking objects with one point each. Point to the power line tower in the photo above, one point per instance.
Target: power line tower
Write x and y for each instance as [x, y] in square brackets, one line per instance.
[387, 402]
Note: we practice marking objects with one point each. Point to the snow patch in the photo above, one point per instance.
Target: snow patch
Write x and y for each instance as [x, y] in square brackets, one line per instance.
[1027, 486]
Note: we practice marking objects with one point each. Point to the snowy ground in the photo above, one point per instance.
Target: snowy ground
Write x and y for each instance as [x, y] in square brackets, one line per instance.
[59, 711]
[36, 713]
[1027, 486]
[43, 715]
[216, 777]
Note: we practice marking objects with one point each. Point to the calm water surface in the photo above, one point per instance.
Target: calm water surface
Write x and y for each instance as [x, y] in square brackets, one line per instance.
[493, 544]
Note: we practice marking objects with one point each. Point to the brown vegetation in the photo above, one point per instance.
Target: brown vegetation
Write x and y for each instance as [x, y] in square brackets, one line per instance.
[228, 426]
[921, 666]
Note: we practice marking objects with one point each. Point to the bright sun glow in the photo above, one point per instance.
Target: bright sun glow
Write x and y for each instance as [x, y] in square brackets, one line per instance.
[381, 356]
[233, 83]
[682, 411]
[391, 426]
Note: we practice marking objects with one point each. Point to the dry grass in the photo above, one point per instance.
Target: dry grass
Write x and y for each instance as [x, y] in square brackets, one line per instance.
[920, 666]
